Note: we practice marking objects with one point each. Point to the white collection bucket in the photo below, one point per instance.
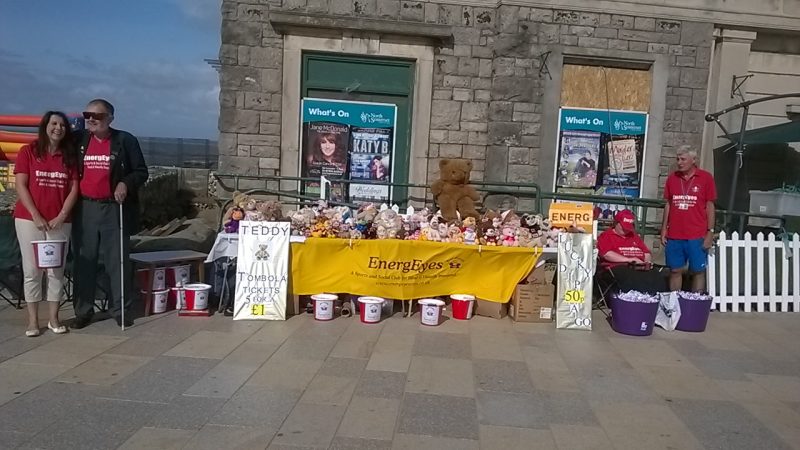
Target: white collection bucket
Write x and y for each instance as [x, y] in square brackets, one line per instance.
[158, 283]
[160, 300]
[196, 296]
[178, 275]
[370, 309]
[324, 306]
[430, 311]
[49, 254]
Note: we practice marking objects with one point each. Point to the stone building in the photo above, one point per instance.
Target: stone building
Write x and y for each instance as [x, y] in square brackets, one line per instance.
[485, 80]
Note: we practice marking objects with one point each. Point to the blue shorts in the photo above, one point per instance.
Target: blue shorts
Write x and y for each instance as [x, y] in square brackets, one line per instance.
[679, 251]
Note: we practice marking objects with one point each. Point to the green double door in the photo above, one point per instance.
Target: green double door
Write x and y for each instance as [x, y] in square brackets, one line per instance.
[361, 79]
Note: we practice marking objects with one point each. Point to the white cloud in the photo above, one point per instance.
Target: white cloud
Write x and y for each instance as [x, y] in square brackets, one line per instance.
[202, 10]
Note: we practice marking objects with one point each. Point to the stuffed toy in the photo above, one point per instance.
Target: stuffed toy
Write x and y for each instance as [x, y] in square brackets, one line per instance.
[452, 192]
[232, 225]
[236, 202]
[249, 206]
[388, 224]
[270, 210]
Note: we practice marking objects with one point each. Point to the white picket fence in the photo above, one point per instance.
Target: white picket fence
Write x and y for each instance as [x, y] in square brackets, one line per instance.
[761, 274]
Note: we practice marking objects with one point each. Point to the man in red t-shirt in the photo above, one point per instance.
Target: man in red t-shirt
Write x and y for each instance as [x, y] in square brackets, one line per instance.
[688, 228]
[112, 170]
[623, 253]
[620, 244]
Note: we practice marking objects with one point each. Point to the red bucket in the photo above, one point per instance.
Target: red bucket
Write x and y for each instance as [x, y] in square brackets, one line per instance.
[158, 282]
[49, 254]
[462, 305]
[196, 295]
[324, 306]
[178, 275]
[369, 309]
[430, 311]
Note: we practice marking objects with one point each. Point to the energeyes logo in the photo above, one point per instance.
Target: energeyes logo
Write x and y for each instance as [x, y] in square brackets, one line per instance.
[413, 265]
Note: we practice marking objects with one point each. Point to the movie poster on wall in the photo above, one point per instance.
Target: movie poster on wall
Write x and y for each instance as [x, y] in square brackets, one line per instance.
[612, 143]
[344, 140]
[370, 160]
[580, 153]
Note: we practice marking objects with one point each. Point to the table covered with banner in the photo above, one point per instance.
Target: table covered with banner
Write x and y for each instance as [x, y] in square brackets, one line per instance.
[408, 270]
[271, 265]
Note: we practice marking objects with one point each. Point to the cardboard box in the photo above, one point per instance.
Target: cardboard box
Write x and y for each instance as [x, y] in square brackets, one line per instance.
[533, 303]
[543, 274]
[494, 310]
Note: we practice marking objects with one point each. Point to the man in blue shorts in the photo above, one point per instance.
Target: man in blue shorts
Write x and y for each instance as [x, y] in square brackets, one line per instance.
[687, 231]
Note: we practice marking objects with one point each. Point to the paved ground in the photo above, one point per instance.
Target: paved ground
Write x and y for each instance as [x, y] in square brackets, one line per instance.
[173, 382]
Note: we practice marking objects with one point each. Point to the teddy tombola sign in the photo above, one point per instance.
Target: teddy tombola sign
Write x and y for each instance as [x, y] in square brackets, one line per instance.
[262, 271]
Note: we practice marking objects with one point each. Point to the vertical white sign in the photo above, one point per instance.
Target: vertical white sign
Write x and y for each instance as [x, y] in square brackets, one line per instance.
[262, 271]
[576, 264]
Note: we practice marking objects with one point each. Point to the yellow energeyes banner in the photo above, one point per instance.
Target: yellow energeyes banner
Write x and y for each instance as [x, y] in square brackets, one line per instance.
[407, 270]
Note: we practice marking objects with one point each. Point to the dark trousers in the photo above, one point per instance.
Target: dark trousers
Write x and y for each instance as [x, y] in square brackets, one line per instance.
[650, 281]
[96, 236]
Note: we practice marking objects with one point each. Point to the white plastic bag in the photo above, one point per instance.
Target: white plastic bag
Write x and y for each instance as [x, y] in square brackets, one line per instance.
[669, 310]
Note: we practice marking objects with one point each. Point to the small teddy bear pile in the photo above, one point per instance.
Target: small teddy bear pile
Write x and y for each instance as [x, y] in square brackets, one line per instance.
[382, 222]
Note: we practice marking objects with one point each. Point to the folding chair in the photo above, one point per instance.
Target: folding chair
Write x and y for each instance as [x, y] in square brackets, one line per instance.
[11, 278]
[605, 285]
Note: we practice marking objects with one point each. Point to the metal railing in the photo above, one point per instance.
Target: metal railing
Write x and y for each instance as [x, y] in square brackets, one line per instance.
[649, 223]
[180, 152]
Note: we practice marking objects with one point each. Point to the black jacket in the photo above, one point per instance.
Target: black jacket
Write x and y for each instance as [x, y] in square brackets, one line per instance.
[127, 161]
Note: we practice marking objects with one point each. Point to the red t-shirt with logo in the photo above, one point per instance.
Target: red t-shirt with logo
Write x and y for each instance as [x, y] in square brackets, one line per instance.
[49, 183]
[96, 181]
[629, 246]
[687, 199]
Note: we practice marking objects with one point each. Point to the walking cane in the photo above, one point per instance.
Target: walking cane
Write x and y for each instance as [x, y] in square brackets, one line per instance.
[121, 269]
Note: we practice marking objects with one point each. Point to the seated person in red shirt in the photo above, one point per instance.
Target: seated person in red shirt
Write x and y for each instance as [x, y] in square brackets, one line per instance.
[623, 253]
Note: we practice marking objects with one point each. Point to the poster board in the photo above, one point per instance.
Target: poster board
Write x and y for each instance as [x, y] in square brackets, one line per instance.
[345, 140]
[600, 152]
[262, 271]
[576, 265]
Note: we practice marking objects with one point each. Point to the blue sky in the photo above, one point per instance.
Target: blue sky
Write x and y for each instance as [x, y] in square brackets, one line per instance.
[145, 56]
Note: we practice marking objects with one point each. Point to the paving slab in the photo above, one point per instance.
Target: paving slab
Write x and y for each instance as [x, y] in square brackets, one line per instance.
[105, 369]
[725, 425]
[438, 415]
[257, 406]
[310, 425]
[509, 438]
[160, 438]
[370, 418]
[442, 376]
[215, 437]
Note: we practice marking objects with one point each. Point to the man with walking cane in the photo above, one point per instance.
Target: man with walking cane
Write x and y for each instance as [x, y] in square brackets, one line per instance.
[112, 169]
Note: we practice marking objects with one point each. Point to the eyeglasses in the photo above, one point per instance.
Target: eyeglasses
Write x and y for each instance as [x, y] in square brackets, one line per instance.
[94, 115]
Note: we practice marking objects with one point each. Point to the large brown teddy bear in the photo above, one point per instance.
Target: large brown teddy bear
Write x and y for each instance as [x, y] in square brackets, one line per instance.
[452, 192]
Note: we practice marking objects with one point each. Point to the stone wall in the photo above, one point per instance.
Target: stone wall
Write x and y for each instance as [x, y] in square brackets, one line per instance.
[489, 89]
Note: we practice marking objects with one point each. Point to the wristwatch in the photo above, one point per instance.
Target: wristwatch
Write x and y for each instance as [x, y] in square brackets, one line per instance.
[710, 230]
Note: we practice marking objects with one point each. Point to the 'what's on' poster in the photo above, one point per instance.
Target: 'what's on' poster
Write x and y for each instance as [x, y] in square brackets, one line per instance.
[343, 140]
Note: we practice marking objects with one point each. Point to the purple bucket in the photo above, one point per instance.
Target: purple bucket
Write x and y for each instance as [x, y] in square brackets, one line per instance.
[694, 314]
[633, 318]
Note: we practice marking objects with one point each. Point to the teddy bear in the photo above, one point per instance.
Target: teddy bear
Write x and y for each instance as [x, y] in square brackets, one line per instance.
[452, 191]
[270, 210]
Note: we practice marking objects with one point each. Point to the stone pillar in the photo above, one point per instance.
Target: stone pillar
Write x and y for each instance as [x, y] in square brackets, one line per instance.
[731, 58]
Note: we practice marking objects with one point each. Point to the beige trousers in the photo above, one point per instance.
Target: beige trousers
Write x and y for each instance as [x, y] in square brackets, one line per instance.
[33, 276]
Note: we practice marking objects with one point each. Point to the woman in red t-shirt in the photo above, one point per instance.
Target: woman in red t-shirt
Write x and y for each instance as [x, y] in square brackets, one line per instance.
[47, 187]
